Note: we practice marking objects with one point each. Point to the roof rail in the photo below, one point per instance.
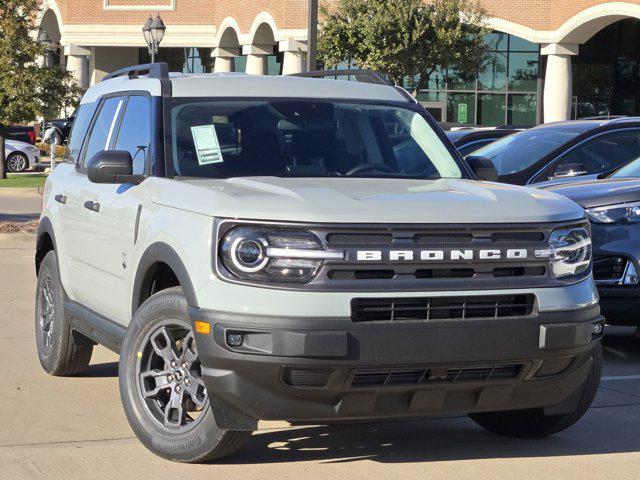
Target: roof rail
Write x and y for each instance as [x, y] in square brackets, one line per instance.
[362, 75]
[155, 70]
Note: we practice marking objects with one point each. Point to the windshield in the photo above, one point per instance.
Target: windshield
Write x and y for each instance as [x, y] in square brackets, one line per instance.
[631, 169]
[217, 138]
[523, 149]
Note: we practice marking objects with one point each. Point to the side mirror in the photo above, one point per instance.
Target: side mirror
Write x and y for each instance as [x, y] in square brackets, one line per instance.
[483, 168]
[570, 170]
[112, 166]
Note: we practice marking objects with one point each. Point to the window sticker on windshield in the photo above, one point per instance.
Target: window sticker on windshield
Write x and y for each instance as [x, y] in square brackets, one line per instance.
[207, 145]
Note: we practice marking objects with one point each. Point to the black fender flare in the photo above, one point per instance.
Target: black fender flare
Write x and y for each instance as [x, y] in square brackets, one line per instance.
[161, 252]
[45, 227]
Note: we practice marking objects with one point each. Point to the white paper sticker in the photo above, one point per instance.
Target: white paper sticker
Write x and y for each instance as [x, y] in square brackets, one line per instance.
[207, 145]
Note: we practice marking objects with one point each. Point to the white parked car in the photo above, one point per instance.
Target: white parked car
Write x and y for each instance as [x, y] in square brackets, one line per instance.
[21, 156]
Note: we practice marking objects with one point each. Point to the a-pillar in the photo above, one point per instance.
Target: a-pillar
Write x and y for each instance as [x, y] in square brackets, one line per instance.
[225, 59]
[558, 96]
[78, 64]
[257, 58]
[294, 58]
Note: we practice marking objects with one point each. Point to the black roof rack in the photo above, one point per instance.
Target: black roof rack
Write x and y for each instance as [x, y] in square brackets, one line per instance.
[361, 75]
[154, 70]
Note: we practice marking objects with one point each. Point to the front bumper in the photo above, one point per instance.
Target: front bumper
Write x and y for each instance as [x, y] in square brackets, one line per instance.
[331, 369]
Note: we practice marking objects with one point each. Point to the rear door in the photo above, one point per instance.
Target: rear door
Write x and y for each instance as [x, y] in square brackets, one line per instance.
[110, 226]
[67, 192]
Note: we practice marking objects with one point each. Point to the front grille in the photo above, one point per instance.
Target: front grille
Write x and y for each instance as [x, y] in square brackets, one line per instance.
[429, 375]
[609, 268]
[439, 308]
[345, 239]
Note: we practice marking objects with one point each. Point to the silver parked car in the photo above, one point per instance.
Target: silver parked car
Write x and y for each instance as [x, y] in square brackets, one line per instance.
[21, 156]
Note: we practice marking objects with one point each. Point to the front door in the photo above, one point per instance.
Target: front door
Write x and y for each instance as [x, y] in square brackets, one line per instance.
[112, 213]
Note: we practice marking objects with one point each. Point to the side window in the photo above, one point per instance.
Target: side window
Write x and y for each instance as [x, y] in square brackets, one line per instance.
[81, 123]
[134, 134]
[601, 154]
[103, 128]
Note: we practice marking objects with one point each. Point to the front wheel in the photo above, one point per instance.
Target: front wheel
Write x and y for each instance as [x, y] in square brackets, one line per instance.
[533, 423]
[163, 394]
[17, 162]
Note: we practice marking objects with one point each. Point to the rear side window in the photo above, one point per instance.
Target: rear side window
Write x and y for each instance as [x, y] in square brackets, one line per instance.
[81, 122]
[601, 154]
[134, 133]
[103, 128]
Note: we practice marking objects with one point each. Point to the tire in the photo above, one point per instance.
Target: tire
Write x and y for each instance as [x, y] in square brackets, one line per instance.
[167, 404]
[533, 423]
[17, 162]
[61, 353]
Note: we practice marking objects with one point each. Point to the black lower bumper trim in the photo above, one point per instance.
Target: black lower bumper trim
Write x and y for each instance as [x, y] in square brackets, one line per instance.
[316, 369]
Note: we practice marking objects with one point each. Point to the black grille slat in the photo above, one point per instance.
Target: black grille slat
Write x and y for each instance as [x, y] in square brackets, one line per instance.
[427, 375]
[296, 377]
[443, 238]
[509, 237]
[358, 239]
[451, 308]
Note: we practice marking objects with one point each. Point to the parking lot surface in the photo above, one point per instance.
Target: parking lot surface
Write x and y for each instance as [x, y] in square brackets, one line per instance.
[68, 428]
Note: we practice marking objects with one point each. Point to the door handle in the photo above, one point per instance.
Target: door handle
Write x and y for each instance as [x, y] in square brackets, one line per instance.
[93, 206]
[61, 199]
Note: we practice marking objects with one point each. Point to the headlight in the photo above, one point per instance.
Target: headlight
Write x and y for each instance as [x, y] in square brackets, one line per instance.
[621, 213]
[277, 255]
[569, 251]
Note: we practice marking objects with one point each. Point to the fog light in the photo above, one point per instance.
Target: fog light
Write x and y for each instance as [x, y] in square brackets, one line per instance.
[597, 329]
[235, 339]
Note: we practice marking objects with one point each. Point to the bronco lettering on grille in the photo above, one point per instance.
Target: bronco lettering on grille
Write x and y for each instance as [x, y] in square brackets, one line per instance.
[441, 255]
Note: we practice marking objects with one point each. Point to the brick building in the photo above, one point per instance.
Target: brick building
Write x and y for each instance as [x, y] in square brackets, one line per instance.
[552, 60]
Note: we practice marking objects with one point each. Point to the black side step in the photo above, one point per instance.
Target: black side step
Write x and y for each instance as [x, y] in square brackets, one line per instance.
[96, 327]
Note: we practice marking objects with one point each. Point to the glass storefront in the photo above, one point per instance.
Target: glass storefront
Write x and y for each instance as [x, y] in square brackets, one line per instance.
[606, 73]
[186, 60]
[504, 92]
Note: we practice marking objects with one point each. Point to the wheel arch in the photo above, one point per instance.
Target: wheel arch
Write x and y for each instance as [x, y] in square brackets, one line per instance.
[160, 262]
[45, 241]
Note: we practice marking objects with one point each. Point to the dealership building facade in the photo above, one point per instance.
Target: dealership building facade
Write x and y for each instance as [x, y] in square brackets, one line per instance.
[550, 60]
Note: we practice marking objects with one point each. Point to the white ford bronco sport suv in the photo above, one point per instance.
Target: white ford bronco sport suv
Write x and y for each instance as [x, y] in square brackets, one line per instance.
[308, 250]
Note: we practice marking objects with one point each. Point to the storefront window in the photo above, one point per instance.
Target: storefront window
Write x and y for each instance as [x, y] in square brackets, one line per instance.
[487, 99]
[491, 108]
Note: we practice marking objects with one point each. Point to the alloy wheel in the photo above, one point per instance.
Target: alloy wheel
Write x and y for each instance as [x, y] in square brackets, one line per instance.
[47, 312]
[169, 377]
[17, 163]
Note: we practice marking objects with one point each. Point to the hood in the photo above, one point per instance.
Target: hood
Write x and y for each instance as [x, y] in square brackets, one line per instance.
[596, 193]
[13, 145]
[564, 181]
[365, 200]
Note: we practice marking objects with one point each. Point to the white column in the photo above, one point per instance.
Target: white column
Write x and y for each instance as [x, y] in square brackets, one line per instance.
[294, 60]
[558, 96]
[78, 64]
[225, 59]
[257, 63]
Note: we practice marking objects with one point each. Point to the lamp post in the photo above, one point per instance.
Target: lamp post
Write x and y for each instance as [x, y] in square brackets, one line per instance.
[153, 31]
[312, 34]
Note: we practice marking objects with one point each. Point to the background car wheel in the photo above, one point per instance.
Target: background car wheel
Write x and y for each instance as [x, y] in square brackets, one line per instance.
[533, 423]
[17, 162]
[164, 397]
[61, 352]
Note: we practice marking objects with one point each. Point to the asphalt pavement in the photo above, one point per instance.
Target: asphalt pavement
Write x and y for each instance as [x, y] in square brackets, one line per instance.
[19, 204]
[75, 428]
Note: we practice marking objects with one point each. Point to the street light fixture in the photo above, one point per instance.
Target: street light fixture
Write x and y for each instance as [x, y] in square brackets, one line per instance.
[153, 31]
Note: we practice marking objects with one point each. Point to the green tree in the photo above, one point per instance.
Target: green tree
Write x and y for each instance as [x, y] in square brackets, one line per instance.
[28, 88]
[404, 38]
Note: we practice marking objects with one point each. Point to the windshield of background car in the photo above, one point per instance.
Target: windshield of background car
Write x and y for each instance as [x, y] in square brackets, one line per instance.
[521, 150]
[217, 138]
[631, 169]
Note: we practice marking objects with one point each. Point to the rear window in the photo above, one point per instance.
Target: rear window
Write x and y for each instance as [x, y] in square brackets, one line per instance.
[521, 150]
[79, 129]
